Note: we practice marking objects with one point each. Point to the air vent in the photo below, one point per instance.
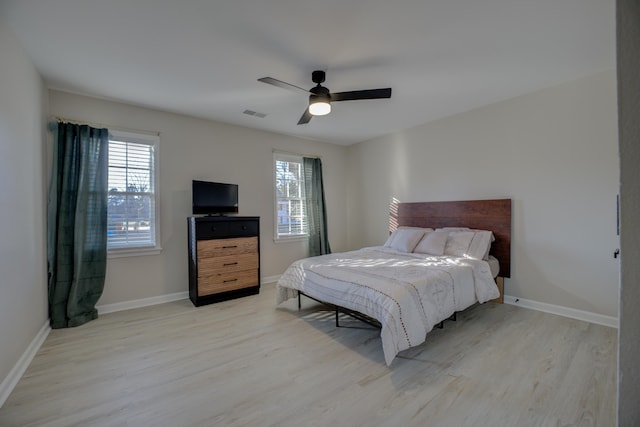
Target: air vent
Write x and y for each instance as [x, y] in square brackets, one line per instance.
[254, 113]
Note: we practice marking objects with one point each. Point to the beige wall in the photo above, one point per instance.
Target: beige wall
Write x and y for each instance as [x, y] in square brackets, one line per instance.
[554, 152]
[23, 284]
[199, 149]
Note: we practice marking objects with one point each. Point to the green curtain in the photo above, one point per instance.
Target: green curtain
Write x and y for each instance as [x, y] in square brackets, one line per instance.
[77, 223]
[316, 210]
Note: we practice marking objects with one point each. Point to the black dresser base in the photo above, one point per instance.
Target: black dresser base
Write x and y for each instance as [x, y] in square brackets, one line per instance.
[224, 296]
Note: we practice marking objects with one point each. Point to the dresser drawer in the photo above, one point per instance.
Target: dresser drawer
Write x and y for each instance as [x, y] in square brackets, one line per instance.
[215, 283]
[223, 229]
[226, 247]
[212, 230]
[243, 228]
[226, 264]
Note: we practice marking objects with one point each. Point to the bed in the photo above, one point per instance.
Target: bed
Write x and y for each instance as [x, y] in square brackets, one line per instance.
[407, 286]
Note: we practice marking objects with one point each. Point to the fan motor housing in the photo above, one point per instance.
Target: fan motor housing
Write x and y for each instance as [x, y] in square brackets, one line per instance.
[320, 91]
[318, 76]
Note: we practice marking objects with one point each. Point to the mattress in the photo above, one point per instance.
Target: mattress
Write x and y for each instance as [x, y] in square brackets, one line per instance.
[494, 266]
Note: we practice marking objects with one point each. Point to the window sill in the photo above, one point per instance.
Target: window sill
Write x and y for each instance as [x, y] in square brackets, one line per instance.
[130, 252]
[290, 239]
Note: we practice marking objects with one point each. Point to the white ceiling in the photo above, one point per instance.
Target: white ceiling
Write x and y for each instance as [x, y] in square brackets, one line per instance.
[203, 57]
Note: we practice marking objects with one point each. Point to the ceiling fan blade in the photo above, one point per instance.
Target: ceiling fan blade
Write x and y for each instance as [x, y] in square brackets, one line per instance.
[305, 118]
[361, 94]
[284, 85]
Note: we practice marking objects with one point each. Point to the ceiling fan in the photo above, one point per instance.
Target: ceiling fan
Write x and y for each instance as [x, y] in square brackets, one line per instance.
[320, 98]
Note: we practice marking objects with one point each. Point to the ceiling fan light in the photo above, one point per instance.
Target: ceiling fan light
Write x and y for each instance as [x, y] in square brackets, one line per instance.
[319, 105]
[320, 108]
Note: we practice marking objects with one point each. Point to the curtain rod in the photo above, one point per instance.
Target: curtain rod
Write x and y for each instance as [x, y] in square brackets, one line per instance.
[102, 125]
[296, 154]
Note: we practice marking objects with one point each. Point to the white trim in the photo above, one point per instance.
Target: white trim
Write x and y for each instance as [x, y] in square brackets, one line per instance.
[129, 252]
[10, 382]
[270, 279]
[161, 299]
[572, 313]
[292, 154]
[143, 302]
[289, 239]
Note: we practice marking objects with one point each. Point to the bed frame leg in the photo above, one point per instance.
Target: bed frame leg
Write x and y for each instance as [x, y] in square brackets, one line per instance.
[337, 320]
[440, 325]
[299, 302]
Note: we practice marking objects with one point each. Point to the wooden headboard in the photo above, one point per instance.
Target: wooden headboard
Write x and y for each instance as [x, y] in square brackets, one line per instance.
[494, 215]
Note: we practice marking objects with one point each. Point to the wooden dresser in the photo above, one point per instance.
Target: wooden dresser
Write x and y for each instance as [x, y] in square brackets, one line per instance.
[224, 258]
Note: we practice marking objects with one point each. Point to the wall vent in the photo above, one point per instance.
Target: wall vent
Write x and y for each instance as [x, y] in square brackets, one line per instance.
[254, 113]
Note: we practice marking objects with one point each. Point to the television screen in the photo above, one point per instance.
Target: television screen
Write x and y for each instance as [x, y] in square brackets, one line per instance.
[214, 198]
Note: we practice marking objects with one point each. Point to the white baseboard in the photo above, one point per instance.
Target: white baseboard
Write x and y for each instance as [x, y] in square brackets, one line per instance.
[572, 313]
[9, 383]
[143, 302]
[270, 279]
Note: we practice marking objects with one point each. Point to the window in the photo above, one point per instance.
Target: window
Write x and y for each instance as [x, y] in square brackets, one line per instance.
[132, 225]
[290, 198]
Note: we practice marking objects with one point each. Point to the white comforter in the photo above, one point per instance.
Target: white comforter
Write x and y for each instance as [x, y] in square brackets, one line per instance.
[407, 293]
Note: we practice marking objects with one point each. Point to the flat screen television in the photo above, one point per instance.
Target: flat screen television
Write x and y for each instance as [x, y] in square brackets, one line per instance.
[214, 198]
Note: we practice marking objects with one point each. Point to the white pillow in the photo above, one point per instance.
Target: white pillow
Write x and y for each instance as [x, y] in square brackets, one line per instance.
[389, 241]
[480, 244]
[432, 243]
[458, 243]
[404, 239]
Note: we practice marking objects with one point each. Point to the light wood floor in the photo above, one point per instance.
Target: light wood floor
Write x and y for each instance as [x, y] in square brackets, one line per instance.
[247, 363]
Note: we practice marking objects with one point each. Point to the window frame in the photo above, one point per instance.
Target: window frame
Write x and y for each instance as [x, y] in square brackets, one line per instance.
[277, 237]
[152, 140]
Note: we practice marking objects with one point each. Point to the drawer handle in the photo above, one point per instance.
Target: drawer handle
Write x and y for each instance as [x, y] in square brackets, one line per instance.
[230, 280]
[230, 263]
[229, 247]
